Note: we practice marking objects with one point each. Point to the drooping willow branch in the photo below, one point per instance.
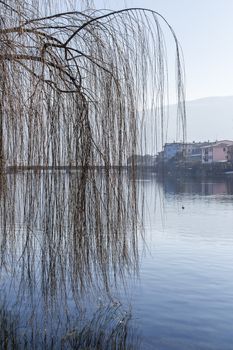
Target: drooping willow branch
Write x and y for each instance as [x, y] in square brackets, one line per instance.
[71, 86]
[102, 46]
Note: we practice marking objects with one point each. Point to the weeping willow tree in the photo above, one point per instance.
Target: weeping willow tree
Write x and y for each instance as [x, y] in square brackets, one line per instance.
[72, 83]
[71, 86]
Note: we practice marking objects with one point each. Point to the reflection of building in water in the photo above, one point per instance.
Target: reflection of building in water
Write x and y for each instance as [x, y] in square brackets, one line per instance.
[174, 186]
[214, 188]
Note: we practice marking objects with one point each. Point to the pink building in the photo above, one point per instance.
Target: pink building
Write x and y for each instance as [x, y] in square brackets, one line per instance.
[216, 152]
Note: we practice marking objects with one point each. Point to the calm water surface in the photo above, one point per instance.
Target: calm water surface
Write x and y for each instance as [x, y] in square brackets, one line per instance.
[184, 299]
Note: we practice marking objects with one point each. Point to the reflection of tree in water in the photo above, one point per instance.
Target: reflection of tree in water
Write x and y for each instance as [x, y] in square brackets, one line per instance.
[44, 221]
[71, 86]
[57, 255]
[107, 329]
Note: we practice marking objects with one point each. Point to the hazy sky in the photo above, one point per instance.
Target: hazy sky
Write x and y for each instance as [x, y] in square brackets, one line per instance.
[205, 31]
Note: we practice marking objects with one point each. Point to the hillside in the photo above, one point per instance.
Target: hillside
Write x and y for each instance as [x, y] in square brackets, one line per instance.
[209, 118]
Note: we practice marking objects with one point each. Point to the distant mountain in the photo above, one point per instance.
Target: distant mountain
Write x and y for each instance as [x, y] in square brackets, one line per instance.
[208, 118]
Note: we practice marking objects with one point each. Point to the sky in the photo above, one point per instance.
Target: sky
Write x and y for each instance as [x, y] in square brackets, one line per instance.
[205, 31]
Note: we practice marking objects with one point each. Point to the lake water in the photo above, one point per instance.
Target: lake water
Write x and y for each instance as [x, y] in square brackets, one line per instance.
[182, 297]
[185, 296]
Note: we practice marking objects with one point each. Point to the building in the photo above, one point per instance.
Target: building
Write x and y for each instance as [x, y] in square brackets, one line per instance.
[142, 161]
[198, 152]
[216, 152]
[190, 152]
[171, 150]
[193, 151]
[230, 153]
[160, 157]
